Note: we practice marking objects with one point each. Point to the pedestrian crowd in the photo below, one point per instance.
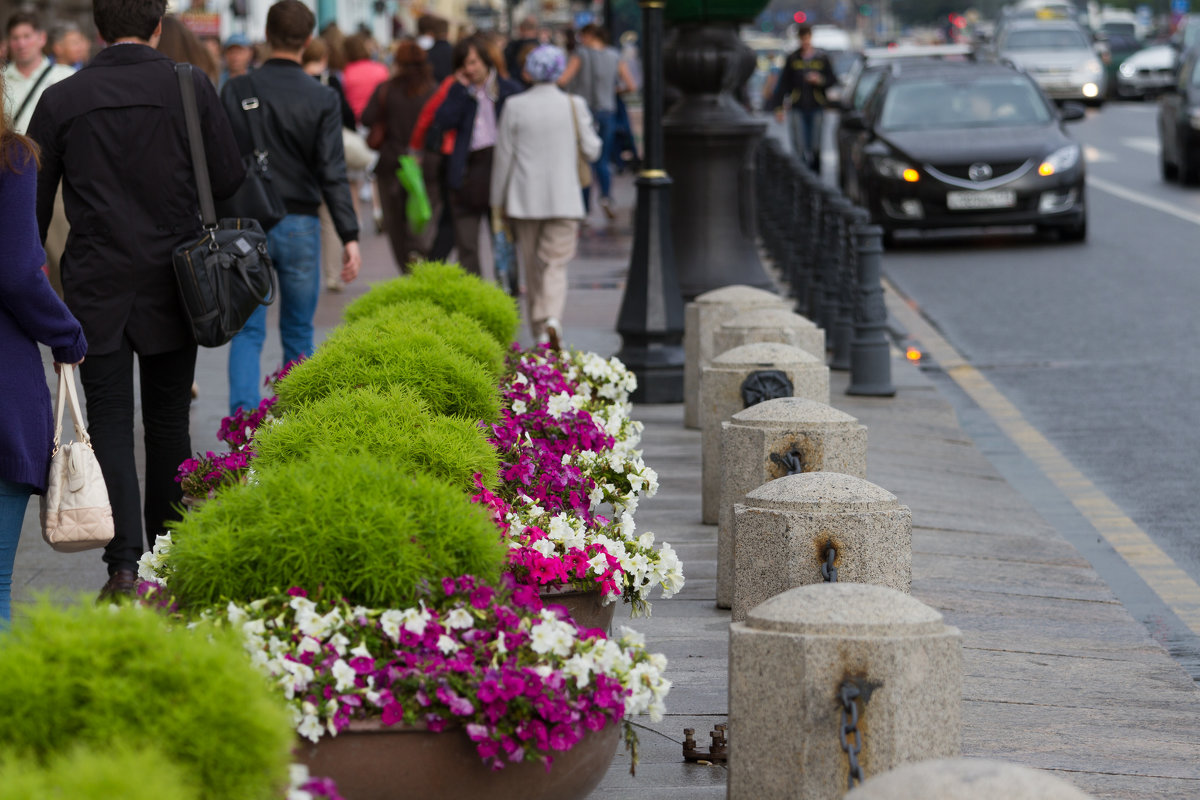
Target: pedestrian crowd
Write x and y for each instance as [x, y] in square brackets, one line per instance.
[98, 190]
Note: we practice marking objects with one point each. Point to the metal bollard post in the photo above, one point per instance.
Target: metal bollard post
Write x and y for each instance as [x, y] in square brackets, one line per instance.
[831, 227]
[870, 361]
[841, 338]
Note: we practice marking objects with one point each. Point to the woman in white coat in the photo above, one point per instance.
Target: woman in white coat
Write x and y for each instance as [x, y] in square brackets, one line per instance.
[535, 183]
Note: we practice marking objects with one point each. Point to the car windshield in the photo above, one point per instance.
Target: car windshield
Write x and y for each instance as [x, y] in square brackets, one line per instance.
[983, 103]
[1046, 39]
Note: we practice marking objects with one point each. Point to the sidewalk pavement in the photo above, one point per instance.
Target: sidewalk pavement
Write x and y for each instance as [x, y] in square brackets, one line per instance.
[1058, 675]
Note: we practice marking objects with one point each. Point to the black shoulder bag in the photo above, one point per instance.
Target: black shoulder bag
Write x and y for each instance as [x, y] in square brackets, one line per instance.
[257, 197]
[226, 274]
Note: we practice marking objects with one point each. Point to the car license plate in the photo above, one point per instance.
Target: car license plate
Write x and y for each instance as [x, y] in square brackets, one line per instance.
[974, 201]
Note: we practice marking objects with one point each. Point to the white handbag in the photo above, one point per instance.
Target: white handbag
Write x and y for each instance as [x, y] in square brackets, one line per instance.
[76, 513]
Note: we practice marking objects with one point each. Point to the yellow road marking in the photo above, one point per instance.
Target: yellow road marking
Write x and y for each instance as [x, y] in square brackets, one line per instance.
[1172, 584]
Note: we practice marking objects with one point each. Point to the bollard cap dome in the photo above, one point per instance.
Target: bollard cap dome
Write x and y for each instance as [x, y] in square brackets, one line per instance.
[846, 609]
[765, 355]
[965, 779]
[792, 411]
[821, 492]
[769, 318]
[739, 294]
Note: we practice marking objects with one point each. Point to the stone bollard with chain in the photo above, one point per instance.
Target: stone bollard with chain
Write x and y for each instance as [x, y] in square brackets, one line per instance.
[779, 437]
[814, 527]
[966, 779]
[770, 325]
[839, 662]
[738, 379]
[701, 318]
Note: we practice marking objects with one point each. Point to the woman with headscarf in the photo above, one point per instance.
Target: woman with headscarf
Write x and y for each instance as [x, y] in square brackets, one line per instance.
[397, 103]
[535, 180]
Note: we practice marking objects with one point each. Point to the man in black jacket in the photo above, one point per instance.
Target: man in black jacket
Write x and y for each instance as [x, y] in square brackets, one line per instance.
[803, 82]
[114, 133]
[302, 133]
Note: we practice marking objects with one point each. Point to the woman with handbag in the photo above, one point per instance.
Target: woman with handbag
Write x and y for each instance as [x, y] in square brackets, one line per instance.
[391, 114]
[471, 112]
[545, 144]
[30, 312]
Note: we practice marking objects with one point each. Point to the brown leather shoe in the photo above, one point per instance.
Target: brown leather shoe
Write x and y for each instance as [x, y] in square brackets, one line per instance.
[122, 583]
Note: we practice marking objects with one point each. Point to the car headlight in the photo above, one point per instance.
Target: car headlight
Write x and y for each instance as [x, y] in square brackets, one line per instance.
[889, 167]
[1127, 70]
[1060, 160]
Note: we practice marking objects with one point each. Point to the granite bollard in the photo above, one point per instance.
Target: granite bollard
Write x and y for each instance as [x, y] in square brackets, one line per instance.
[788, 662]
[741, 378]
[770, 325]
[773, 439]
[701, 318]
[782, 532]
[966, 779]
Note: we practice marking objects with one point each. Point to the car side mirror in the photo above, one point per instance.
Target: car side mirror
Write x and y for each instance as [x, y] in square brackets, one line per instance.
[1072, 112]
[853, 121]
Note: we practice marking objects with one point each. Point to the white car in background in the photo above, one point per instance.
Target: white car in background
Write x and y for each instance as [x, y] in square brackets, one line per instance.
[1147, 72]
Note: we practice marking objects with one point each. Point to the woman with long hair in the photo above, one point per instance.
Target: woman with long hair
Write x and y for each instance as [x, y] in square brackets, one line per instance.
[182, 46]
[30, 312]
[397, 103]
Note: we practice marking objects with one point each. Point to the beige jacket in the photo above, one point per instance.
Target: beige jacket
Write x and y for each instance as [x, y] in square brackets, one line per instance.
[534, 173]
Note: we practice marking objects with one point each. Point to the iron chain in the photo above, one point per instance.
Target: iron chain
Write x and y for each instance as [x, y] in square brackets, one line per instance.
[792, 461]
[849, 694]
[828, 570]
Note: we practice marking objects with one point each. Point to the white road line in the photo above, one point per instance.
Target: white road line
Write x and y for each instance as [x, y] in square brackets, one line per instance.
[1144, 144]
[1143, 199]
[1095, 156]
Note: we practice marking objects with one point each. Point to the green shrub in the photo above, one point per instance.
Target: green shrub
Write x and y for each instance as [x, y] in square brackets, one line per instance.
[395, 425]
[108, 773]
[405, 319]
[450, 382]
[89, 676]
[450, 287]
[350, 523]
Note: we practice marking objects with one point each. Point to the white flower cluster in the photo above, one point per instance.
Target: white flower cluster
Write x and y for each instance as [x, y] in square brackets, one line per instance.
[643, 677]
[152, 565]
[621, 477]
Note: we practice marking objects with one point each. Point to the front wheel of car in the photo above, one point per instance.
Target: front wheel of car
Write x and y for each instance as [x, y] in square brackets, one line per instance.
[1169, 170]
[1074, 233]
[1187, 166]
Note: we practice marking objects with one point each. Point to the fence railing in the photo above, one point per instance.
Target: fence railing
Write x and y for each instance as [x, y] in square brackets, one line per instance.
[828, 253]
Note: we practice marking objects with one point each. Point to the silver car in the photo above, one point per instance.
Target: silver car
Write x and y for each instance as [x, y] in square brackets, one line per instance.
[1059, 55]
[1147, 72]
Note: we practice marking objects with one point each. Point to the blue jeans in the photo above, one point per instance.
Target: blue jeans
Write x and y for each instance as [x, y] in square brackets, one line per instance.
[14, 498]
[295, 247]
[804, 129]
[602, 167]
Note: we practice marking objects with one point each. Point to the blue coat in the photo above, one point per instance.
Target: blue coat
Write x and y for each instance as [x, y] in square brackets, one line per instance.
[457, 113]
[30, 312]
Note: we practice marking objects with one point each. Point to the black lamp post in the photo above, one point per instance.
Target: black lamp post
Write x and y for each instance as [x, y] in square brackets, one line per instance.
[651, 317]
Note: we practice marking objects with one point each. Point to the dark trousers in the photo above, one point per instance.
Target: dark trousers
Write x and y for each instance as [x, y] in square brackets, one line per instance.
[166, 381]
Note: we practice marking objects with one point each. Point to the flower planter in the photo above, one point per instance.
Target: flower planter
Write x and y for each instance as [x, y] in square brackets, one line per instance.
[586, 608]
[192, 503]
[371, 762]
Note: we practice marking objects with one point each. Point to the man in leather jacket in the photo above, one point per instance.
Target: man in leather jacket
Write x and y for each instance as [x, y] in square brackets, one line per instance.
[302, 133]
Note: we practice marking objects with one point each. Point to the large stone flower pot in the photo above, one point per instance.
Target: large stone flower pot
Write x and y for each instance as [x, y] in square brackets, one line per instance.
[586, 608]
[371, 762]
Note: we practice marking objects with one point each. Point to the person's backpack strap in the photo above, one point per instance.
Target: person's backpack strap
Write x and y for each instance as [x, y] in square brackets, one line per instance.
[191, 116]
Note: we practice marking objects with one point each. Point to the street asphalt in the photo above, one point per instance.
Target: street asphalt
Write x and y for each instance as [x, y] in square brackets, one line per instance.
[1058, 674]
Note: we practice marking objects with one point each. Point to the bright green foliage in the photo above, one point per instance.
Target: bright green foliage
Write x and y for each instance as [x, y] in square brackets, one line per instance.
[351, 523]
[103, 773]
[90, 676]
[451, 288]
[450, 382]
[403, 320]
[394, 425]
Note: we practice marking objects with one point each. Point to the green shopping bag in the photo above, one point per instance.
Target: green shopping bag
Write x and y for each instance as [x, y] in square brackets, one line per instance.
[417, 208]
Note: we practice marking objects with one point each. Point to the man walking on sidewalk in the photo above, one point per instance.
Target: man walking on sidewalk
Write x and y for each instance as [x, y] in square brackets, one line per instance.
[114, 133]
[805, 78]
[302, 133]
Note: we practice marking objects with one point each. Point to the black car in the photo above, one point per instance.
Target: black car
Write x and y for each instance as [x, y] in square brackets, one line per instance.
[967, 144]
[1179, 124]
